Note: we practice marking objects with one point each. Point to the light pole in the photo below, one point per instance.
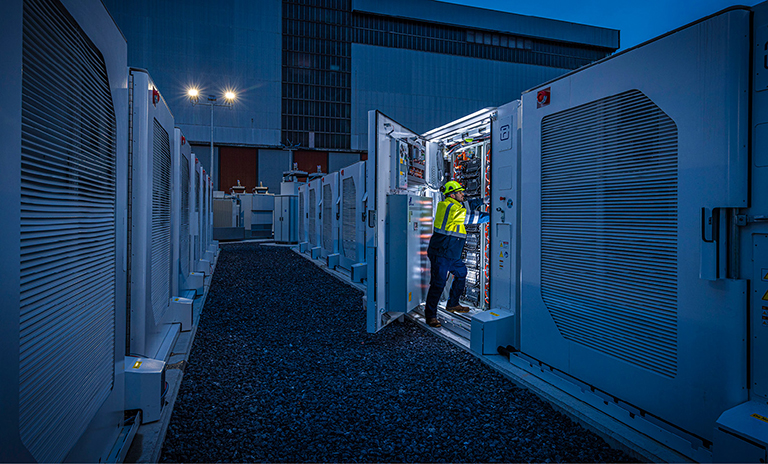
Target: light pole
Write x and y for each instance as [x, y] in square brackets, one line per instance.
[229, 100]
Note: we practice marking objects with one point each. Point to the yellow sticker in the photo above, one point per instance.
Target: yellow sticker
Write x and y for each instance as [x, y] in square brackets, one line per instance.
[494, 314]
[765, 296]
[137, 364]
[409, 296]
[762, 418]
[501, 255]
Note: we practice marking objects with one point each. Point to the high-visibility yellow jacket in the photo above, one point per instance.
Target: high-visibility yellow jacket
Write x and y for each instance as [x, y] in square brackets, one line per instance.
[450, 232]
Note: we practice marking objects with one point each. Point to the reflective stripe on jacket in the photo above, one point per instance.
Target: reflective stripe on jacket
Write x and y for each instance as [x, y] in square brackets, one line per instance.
[449, 231]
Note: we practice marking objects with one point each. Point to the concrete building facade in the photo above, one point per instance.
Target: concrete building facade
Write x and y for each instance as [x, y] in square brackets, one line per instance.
[306, 72]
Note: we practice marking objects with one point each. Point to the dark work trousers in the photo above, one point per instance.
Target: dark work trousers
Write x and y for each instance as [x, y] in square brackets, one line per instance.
[440, 268]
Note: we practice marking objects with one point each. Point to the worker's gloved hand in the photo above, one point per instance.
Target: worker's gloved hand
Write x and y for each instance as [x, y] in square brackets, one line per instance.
[487, 201]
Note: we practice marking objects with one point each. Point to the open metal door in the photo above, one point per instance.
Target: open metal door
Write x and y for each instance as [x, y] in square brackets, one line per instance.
[392, 205]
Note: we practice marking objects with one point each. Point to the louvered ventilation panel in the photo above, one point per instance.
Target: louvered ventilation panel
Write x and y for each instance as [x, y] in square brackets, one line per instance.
[161, 221]
[200, 223]
[609, 228]
[312, 217]
[301, 217]
[197, 192]
[327, 218]
[184, 239]
[349, 225]
[68, 232]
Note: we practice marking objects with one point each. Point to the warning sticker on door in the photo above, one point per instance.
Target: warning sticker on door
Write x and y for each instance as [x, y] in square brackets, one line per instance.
[758, 416]
[765, 295]
[764, 274]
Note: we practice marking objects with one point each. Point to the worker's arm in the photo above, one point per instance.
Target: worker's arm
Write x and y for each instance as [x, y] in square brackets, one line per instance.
[473, 216]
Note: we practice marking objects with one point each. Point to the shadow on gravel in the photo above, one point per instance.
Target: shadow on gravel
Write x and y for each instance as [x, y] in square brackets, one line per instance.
[282, 370]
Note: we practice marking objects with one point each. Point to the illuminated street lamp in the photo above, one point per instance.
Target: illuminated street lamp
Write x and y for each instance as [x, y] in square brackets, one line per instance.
[229, 100]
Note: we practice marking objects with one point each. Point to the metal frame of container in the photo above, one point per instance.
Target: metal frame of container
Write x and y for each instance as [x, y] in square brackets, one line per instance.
[76, 294]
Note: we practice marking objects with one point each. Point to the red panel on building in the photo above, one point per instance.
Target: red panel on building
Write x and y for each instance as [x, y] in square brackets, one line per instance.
[238, 163]
[364, 156]
[309, 160]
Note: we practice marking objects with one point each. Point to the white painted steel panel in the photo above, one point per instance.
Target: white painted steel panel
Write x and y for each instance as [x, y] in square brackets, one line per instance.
[150, 252]
[64, 183]
[616, 169]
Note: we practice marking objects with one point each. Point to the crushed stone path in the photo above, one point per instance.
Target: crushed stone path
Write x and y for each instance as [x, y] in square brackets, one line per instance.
[282, 370]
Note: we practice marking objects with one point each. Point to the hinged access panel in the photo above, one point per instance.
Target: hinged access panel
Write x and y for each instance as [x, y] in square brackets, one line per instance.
[394, 147]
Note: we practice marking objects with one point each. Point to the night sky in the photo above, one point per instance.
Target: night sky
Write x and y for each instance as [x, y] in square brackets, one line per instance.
[638, 21]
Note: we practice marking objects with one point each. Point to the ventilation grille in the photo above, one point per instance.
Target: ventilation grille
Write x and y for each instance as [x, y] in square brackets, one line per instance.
[302, 234]
[328, 219]
[184, 239]
[609, 228]
[312, 217]
[204, 218]
[68, 232]
[349, 224]
[161, 222]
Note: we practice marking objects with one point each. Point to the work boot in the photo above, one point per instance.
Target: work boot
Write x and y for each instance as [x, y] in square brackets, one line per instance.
[433, 322]
[457, 309]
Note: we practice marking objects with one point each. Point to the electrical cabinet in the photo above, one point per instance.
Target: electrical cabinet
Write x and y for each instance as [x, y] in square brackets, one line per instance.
[314, 212]
[330, 215]
[354, 198]
[286, 218]
[183, 159]
[63, 234]
[303, 218]
[633, 172]
[406, 163]
[150, 257]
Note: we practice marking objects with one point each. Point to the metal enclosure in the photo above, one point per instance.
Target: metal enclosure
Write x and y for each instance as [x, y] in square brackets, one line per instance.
[330, 215]
[195, 218]
[262, 215]
[631, 170]
[503, 259]
[354, 199]
[183, 159]
[314, 203]
[64, 179]
[303, 211]
[286, 218]
[150, 265]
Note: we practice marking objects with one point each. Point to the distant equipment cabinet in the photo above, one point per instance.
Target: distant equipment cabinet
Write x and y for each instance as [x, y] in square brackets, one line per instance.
[183, 160]
[314, 214]
[152, 269]
[330, 215]
[63, 236]
[354, 201]
[303, 218]
[286, 218]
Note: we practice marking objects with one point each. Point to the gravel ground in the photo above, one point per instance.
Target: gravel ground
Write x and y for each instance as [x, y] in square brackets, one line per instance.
[282, 370]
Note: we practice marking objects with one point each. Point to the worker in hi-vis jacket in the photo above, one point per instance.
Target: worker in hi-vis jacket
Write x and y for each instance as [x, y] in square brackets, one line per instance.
[445, 247]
